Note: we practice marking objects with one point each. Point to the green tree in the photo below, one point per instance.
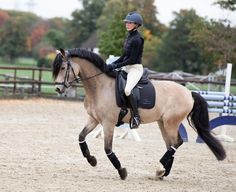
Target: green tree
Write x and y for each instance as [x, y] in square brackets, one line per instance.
[150, 52]
[227, 4]
[83, 22]
[13, 39]
[177, 51]
[146, 8]
[55, 38]
[218, 39]
[112, 32]
[149, 11]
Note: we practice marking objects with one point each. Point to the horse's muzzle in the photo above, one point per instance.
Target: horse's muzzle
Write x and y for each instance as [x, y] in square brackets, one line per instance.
[60, 89]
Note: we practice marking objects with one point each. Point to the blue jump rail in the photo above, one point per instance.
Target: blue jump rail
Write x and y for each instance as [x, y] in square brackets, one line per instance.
[214, 123]
[219, 121]
[214, 100]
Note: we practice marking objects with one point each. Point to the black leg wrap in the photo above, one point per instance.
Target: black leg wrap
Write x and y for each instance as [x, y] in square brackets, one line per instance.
[114, 160]
[84, 149]
[168, 166]
[122, 114]
[167, 160]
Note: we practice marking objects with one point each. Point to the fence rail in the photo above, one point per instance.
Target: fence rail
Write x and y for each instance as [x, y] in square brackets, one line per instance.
[13, 82]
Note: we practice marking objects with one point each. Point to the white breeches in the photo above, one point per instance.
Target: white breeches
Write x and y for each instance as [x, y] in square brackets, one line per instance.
[134, 74]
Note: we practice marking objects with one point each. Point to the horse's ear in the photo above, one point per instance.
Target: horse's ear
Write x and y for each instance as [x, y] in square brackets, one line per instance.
[57, 51]
[62, 52]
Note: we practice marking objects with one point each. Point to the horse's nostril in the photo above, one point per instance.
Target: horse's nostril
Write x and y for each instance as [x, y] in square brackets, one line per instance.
[57, 90]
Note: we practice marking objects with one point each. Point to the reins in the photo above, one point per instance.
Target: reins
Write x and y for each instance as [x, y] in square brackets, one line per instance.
[87, 78]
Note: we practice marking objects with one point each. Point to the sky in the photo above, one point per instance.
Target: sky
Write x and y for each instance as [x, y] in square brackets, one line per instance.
[165, 8]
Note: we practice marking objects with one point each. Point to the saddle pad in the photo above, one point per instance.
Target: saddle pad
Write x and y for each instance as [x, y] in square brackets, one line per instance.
[144, 93]
[147, 96]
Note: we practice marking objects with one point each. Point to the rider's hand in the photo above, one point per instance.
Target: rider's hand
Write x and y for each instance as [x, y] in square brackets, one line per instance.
[110, 67]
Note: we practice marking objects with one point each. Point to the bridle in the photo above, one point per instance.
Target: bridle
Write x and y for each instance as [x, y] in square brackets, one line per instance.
[67, 83]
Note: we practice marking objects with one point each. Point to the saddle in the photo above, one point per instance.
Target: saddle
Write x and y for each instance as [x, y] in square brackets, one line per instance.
[144, 91]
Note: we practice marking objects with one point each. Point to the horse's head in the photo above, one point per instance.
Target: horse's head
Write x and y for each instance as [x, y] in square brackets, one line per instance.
[65, 72]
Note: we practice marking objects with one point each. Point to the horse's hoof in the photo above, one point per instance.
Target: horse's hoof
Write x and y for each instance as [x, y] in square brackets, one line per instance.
[92, 161]
[160, 178]
[123, 173]
[160, 174]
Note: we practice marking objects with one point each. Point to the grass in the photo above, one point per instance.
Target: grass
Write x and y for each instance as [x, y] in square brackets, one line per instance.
[21, 61]
[27, 62]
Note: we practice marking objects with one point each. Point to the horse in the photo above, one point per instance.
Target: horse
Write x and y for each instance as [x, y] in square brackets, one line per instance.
[174, 103]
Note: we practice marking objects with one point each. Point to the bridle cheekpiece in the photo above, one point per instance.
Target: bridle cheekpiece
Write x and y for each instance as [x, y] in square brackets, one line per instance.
[66, 83]
[69, 67]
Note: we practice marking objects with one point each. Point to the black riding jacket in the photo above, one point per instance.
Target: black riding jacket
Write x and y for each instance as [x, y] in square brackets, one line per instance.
[132, 52]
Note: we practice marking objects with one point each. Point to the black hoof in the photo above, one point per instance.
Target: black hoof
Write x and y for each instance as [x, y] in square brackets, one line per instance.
[92, 161]
[167, 173]
[123, 173]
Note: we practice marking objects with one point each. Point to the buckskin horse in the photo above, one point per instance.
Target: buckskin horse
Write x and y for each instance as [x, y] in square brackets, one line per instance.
[173, 104]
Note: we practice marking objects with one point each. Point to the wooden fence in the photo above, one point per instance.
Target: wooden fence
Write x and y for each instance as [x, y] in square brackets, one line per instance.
[13, 83]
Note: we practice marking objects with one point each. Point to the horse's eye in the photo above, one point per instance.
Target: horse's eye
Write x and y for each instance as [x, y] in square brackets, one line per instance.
[62, 68]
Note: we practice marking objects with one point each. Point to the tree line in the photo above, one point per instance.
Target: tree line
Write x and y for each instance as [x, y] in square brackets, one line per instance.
[190, 43]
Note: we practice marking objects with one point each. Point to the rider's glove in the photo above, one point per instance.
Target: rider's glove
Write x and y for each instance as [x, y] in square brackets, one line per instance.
[111, 67]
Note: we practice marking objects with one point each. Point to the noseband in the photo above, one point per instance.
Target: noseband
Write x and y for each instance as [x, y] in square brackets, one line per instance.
[67, 83]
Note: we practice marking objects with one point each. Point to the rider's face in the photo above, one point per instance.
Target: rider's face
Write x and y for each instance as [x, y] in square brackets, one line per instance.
[129, 25]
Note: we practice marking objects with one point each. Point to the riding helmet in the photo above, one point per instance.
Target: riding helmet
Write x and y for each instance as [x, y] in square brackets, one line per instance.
[134, 17]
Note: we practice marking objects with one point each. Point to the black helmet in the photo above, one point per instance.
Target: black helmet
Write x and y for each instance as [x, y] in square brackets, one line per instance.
[134, 17]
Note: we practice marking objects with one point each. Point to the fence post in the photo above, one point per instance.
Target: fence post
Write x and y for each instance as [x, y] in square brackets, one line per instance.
[223, 135]
[33, 79]
[39, 82]
[14, 88]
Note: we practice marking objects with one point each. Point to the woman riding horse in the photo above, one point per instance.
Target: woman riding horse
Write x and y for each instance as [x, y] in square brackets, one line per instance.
[131, 61]
[174, 102]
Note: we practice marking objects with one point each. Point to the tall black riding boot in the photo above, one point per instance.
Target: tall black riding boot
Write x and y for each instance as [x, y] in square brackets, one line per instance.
[135, 121]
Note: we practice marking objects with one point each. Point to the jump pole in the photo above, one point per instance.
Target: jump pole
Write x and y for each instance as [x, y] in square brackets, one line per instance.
[222, 136]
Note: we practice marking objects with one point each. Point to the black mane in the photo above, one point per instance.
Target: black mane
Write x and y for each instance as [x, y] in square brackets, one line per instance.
[88, 55]
[56, 65]
[82, 53]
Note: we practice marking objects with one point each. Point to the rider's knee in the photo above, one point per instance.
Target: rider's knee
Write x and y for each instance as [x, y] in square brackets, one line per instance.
[127, 92]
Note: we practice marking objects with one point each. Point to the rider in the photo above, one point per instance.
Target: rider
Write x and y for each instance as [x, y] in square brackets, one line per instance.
[131, 61]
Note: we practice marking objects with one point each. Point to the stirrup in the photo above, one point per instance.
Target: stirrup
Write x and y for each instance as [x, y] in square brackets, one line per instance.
[134, 122]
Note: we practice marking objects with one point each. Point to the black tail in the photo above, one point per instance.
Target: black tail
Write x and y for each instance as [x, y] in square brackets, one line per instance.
[198, 118]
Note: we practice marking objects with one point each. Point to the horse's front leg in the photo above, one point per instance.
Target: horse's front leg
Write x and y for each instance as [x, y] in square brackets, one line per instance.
[108, 139]
[91, 124]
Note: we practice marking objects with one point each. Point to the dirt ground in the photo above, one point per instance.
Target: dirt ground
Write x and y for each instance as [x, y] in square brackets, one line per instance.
[39, 152]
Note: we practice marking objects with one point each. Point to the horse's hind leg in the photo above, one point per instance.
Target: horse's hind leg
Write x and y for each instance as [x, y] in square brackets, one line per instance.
[91, 124]
[173, 140]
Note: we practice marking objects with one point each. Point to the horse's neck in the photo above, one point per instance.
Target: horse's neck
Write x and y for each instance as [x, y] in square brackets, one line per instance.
[93, 81]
